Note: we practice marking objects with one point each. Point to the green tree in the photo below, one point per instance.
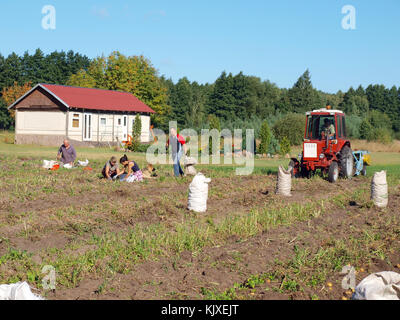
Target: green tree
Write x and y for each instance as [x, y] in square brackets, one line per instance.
[284, 146]
[265, 137]
[222, 101]
[303, 97]
[136, 132]
[134, 74]
[366, 130]
[6, 121]
[181, 97]
[290, 126]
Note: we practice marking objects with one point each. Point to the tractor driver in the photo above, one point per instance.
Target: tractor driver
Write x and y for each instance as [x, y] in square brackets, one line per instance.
[328, 130]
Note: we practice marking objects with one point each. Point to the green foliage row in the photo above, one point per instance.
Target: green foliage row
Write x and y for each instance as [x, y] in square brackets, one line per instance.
[232, 101]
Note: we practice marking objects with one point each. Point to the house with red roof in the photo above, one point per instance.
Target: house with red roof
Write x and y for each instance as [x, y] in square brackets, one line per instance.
[48, 113]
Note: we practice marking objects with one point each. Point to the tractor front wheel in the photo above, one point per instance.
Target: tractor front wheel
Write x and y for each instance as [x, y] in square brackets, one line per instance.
[364, 171]
[346, 163]
[333, 173]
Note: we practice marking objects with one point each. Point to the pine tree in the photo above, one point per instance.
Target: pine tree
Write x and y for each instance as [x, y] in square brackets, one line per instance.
[303, 96]
[284, 146]
[136, 132]
[265, 137]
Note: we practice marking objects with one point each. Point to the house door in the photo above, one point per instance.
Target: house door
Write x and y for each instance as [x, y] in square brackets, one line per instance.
[122, 128]
[87, 127]
[125, 128]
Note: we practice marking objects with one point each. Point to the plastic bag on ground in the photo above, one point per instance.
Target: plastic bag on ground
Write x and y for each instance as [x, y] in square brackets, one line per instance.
[379, 286]
[189, 161]
[284, 183]
[17, 291]
[379, 189]
[48, 164]
[189, 164]
[83, 163]
[67, 166]
[198, 193]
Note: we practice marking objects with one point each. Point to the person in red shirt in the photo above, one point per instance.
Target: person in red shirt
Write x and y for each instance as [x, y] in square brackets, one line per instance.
[178, 147]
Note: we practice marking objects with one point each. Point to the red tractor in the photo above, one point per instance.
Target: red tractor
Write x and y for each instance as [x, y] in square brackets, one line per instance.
[325, 146]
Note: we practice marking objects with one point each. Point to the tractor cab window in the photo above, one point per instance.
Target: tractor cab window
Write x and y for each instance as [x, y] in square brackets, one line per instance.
[344, 127]
[319, 125]
[340, 127]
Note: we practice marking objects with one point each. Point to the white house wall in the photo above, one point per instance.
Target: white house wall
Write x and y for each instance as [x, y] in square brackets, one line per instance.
[41, 122]
[53, 123]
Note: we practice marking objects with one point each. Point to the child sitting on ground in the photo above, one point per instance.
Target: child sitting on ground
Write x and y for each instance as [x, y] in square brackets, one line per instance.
[132, 170]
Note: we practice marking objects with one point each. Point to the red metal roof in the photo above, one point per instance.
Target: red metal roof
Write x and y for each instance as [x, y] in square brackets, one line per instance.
[97, 99]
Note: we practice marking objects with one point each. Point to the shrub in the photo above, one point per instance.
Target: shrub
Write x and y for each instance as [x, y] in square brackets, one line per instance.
[376, 127]
[265, 137]
[284, 146]
[366, 130]
[136, 133]
[290, 126]
[274, 146]
[383, 135]
[353, 124]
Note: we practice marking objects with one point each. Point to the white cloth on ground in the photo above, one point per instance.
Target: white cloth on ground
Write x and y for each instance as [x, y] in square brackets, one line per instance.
[383, 285]
[17, 291]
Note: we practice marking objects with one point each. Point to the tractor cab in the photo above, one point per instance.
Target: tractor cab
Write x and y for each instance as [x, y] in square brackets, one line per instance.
[325, 134]
[325, 146]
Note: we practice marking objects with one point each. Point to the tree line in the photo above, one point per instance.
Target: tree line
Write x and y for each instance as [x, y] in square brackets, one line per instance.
[235, 101]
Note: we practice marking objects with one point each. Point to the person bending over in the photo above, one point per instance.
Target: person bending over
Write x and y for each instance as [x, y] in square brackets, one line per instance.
[132, 171]
[111, 169]
[66, 154]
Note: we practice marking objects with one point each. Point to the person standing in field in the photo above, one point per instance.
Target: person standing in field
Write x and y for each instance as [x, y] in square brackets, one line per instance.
[178, 147]
[66, 154]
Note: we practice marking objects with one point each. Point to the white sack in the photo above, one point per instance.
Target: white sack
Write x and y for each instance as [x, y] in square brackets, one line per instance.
[83, 163]
[68, 166]
[198, 193]
[17, 291]
[48, 164]
[379, 286]
[284, 183]
[379, 189]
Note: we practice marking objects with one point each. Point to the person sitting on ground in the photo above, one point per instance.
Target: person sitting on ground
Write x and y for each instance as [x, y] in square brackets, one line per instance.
[328, 130]
[111, 169]
[132, 170]
[66, 154]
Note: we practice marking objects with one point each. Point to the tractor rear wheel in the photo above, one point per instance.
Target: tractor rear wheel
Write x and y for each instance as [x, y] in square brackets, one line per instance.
[333, 173]
[346, 162]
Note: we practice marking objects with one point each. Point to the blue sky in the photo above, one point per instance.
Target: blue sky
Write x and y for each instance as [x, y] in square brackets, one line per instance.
[274, 40]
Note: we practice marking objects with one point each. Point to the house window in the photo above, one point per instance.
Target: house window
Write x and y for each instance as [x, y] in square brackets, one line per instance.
[75, 120]
[103, 121]
[119, 121]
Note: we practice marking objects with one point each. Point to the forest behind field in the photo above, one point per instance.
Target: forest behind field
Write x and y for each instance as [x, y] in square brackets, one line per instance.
[231, 101]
